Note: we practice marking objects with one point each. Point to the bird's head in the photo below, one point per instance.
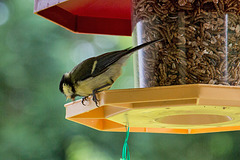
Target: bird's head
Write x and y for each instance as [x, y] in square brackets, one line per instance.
[66, 87]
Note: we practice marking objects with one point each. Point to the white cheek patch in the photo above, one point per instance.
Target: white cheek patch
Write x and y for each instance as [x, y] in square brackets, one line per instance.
[67, 90]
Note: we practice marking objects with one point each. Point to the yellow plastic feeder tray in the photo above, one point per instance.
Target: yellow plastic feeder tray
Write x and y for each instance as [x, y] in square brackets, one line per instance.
[180, 105]
[184, 109]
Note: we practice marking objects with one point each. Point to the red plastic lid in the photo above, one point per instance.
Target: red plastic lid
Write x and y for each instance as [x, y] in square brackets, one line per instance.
[88, 16]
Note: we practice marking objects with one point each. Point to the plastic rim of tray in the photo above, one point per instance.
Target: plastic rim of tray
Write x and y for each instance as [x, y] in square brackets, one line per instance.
[183, 109]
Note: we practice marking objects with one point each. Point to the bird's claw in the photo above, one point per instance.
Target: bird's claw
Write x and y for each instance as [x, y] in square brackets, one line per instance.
[95, 100]
[84, 99]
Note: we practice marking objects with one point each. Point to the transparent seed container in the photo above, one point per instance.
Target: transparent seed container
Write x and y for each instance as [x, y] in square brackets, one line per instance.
[201, 42]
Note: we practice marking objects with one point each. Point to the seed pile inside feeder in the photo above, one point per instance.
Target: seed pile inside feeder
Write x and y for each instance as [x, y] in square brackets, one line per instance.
[201, 41]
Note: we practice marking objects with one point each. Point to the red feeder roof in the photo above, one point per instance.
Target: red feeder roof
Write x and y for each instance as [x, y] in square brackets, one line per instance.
[88, 16]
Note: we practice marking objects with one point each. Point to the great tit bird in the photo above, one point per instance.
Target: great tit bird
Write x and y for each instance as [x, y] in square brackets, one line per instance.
[96, 74]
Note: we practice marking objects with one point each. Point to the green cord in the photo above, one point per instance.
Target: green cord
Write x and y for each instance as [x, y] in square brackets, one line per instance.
[125, 151]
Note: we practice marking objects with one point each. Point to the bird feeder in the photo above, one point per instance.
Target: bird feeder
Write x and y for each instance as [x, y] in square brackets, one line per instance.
[187, 84]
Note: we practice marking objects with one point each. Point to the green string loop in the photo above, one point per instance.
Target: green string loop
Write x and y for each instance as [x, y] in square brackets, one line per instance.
[125, 151]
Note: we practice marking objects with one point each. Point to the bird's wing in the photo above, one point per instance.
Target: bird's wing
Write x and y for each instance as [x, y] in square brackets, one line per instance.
[105, 60]
[83, 70]
[95, 66]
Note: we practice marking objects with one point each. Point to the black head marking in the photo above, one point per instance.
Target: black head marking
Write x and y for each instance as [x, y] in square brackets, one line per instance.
[61, 84]
[66, 80]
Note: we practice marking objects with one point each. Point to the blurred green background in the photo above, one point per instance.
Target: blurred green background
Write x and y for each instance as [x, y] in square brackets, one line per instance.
[34, 55]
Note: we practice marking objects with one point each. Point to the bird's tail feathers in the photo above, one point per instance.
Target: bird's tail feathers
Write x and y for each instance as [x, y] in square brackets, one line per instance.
[143, 45]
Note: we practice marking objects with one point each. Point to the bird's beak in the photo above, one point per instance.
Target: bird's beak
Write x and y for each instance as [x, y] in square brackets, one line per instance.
[73, 99]
[68, 98]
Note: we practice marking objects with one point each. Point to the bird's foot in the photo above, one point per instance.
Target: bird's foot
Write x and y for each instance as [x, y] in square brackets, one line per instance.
[96, 90]
[95, 99]
[84, 99]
